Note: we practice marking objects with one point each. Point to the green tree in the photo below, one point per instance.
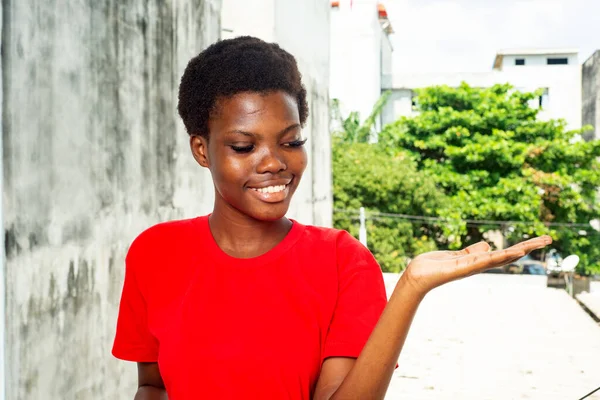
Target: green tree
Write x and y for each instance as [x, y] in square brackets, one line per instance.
[496, 161]
[352, 129]
[383, 181]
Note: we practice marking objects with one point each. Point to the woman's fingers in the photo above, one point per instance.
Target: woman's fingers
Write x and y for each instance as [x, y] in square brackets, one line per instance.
[532, 244]
[478, 262]
[483, 247]
[477, 257]
[480, 247]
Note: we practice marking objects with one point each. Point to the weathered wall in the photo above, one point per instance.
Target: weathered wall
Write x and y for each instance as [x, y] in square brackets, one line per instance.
[93, 153]
[302, 28]
[590, 95]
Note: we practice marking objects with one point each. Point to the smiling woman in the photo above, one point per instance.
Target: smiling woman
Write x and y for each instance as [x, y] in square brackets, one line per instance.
[245, 303]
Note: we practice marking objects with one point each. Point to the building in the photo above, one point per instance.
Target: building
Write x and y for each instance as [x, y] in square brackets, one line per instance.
[361, 54]
[556, 71]
[590, 91]
[302, 28]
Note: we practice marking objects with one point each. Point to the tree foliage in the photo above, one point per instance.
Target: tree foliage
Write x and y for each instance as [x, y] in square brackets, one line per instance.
[366, 175]
[491, 159]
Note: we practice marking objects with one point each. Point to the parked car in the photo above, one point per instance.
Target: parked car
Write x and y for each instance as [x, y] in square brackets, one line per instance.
[533, 269]
[514, 268]
[496, 270]
[518, 267]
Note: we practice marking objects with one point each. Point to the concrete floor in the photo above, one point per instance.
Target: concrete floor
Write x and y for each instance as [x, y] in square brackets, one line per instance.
[498, 337]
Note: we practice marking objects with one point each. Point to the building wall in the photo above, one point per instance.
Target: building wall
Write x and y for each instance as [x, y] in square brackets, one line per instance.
[356, 56]
[562, 82]
[590, 86]
[302, 28]
[399, 104]
[93, 153]
[537, 60]
[248, 17]
[387, 65]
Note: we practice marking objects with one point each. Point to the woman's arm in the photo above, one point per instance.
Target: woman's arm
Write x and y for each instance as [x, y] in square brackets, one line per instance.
[150, 383]
[370, 375]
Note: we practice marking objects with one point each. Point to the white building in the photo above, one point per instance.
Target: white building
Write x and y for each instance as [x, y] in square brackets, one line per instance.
[361, 54]
[556, 71]
[302, 28]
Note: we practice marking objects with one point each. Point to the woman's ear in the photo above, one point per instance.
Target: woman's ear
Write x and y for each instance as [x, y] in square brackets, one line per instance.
[199, 147]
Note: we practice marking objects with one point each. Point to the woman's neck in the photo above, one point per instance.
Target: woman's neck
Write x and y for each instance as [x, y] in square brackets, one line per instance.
[244, 237]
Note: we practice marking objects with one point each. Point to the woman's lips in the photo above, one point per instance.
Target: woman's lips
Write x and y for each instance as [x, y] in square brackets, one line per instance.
[271, 194]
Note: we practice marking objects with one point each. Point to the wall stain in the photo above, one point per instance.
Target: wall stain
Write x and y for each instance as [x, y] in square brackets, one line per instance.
[77, 229]
[72, 339]
[11, 245]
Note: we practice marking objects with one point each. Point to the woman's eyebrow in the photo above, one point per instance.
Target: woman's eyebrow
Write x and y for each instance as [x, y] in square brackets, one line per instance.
[289, 128]
[251, 134]
[241, 132]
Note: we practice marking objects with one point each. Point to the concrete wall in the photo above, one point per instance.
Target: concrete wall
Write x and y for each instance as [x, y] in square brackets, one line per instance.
[93, 153]
[590, 86]
[302, 28]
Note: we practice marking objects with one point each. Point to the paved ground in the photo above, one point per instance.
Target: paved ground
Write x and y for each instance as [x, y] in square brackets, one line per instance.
[591, 301]
[498, 337]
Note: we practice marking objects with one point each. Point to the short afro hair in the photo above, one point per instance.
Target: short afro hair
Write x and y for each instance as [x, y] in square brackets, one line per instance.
[228, 67]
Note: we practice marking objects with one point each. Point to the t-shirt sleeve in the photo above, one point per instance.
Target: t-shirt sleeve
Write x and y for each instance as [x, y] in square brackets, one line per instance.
[361, 299]
[133, 340]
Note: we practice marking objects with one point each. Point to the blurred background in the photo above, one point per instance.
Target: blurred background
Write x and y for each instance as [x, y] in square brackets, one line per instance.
[433, 124]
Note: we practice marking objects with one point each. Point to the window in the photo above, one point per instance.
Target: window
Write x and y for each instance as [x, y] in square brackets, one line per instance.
[520, 61]
[544, 99]
[558, 61]
[414, 102]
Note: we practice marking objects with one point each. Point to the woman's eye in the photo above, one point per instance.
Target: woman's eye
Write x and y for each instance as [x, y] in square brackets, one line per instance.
[243, 149]
[296, 143]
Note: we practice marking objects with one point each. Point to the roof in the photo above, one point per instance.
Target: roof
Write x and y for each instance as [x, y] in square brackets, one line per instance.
[531, 52]
[536, 51]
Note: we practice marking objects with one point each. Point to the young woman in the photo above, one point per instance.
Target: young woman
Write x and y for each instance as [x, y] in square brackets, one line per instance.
[245, 303]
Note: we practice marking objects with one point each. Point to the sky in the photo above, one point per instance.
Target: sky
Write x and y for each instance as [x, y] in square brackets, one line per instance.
[464, 35]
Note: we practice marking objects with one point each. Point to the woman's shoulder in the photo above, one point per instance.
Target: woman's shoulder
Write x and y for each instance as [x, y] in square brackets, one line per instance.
[348, 251]
[337, 237]
[165, 234]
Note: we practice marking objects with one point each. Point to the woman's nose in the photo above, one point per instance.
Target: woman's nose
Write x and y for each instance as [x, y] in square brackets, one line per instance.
[271, 161]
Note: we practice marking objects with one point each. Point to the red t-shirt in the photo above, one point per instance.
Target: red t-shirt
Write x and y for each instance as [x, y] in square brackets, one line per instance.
[227, 328]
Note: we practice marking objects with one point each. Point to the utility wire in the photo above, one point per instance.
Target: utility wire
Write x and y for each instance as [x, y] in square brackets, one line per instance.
[434, 223]
[468, 221]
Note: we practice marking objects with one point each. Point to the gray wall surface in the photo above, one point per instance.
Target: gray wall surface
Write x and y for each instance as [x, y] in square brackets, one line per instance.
[590, 93]
[93, 153]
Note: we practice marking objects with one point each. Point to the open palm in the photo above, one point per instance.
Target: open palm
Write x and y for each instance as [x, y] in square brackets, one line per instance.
[430, 270]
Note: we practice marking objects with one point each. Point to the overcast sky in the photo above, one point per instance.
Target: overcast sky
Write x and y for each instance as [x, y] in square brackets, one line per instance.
[464, 35]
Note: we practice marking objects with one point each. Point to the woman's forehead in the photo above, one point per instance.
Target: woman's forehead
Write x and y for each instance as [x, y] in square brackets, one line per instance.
[255, 107]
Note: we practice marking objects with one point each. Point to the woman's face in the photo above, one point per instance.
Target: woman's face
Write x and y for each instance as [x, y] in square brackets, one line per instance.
[255, 153]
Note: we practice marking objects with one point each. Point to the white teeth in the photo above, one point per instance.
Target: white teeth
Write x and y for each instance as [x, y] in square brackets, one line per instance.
[271, 189]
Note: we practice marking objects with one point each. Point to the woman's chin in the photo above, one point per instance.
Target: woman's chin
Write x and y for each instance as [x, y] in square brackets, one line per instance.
[272, 214]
